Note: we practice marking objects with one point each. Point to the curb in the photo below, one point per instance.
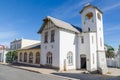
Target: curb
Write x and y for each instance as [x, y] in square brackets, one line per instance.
[67, 78]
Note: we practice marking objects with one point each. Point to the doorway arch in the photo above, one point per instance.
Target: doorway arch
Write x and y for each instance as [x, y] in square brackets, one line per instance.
[83, 61]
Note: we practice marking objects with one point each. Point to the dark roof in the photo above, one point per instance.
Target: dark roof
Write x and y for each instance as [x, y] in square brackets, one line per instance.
[89, 5]
[36, 47]
[33, 46]
[78, 28]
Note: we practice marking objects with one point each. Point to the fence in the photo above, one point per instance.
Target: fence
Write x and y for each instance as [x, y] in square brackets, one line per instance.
[113, 62]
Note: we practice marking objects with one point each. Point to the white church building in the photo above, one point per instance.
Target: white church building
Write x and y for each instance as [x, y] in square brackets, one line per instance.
[65, 46]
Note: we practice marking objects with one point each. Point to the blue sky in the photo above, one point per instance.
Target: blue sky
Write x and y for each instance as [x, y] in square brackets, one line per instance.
[23, 18]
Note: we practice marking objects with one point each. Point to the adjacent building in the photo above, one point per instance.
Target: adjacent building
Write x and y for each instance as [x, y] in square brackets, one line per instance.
[28, 51]
[29, 55]
[20, 43]
[65, 46]
[3, 52]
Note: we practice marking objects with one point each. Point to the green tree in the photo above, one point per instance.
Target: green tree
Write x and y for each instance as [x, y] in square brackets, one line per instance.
[11, 56]
[119, 48]
[110, 52]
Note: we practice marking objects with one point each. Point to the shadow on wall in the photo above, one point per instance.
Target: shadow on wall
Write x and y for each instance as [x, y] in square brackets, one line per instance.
[83, 76]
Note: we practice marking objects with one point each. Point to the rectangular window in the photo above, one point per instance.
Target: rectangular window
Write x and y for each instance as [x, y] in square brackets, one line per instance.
[52, 35]
[46, 37]
[82, 39]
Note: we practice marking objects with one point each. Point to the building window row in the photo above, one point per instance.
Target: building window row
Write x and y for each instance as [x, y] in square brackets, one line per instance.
[52, 36]
[30, 58]
[15, 46]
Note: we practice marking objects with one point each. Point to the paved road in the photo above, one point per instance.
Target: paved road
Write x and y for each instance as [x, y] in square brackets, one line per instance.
[82, 76]
[9, 73]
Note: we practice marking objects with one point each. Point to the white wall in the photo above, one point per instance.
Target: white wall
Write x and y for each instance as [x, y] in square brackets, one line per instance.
[88, 48]
[95, 25]
[88, 23]
[112, 62]
[3, 55]
[34, 51]
[27, 42]
[67, 43]
[47, 47]
[17, 44]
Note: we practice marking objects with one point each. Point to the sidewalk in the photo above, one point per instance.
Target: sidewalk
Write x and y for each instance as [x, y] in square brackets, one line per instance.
[32, 68]
[112, 71]
[42, 70]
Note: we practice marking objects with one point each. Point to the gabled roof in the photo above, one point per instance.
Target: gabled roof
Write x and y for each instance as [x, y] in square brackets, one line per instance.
[60, 24]
[89, 5]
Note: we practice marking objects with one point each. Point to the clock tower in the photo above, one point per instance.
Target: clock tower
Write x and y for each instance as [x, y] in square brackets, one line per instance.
[92, 22]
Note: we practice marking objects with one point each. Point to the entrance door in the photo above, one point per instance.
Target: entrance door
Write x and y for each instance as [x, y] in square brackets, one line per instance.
[83, 62]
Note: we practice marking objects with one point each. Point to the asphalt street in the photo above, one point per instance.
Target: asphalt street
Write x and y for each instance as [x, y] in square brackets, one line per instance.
[10, 73]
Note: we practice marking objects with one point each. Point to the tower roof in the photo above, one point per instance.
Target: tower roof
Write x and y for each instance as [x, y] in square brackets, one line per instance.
[89, 5]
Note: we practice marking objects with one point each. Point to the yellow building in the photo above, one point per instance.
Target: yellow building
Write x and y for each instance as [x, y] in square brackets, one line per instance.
[30, 55]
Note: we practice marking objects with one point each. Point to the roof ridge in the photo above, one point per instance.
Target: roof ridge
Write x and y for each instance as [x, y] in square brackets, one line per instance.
[58, 19]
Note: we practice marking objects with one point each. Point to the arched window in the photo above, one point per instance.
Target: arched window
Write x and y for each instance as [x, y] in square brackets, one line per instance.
[49, 58]
[88, 16]
[31, 57]
[70, 58]
[20, 57]
[37, 58]
[25, 57]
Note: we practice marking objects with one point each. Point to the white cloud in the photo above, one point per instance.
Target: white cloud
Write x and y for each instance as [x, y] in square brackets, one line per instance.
[110, 7]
